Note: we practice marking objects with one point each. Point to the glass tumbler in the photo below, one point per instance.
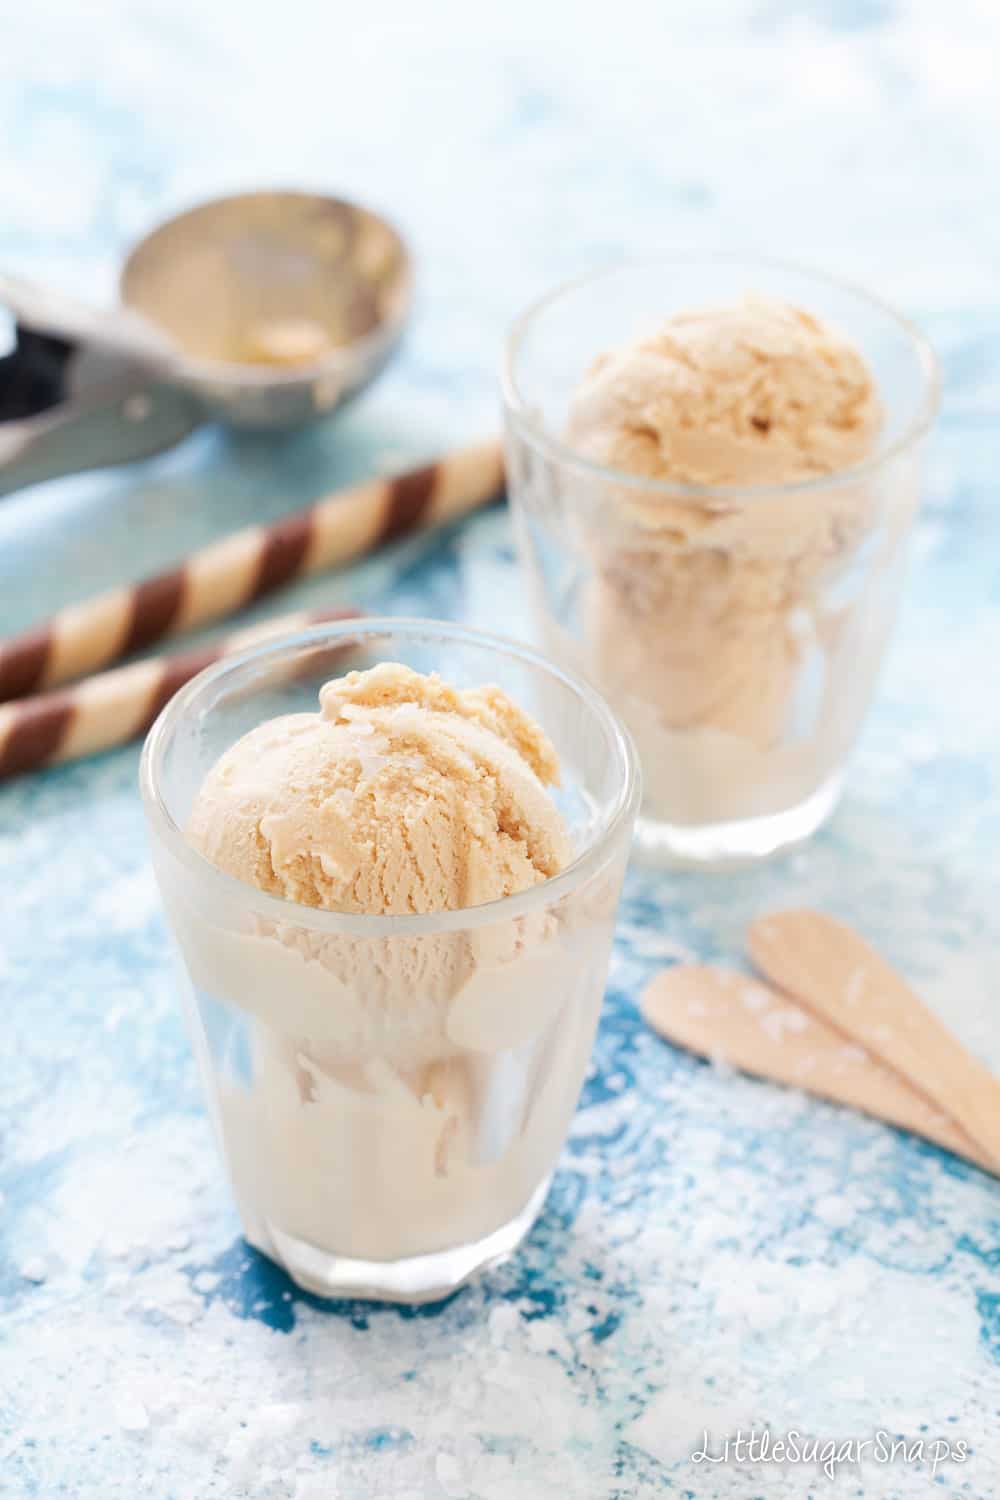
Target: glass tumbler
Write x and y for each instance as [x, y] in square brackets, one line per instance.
[390, 1093]
[738, 631]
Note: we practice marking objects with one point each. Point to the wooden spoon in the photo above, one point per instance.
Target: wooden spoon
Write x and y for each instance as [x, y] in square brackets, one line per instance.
[830, 968]
[718, 1012]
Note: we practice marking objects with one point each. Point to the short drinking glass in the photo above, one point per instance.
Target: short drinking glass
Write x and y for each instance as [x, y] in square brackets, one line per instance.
[390, 1093]
[738, 630]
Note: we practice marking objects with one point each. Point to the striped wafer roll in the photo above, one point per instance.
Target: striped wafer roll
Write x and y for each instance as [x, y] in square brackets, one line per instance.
[244, 566]
[114, 707]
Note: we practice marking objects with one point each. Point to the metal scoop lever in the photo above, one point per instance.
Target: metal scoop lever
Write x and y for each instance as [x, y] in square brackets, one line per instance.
[63, 410]
[122, 330]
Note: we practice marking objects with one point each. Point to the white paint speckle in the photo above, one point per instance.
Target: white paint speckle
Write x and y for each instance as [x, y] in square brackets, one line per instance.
[855, 987]
[504, 1320]
[449, 1476]
[33, 1269]
[131, 1415]
[316, 1489]
[182, 1312]
[833, 1210]
[780, 1023]
[755, 999]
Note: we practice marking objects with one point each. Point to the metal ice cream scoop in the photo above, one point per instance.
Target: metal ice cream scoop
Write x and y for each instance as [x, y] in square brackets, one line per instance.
[264, 310]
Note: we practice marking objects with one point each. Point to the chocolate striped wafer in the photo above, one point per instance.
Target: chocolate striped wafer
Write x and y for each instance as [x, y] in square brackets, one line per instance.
[113, 707]
[229, 574]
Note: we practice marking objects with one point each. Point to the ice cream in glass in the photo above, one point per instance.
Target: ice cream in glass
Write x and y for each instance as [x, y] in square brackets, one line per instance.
[712, 506]
[394, 903]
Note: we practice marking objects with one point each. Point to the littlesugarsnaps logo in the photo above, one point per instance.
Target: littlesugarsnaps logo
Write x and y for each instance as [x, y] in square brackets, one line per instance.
[828, 1455]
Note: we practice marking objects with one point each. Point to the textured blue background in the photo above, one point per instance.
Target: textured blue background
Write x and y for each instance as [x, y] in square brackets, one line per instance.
[714, 1251]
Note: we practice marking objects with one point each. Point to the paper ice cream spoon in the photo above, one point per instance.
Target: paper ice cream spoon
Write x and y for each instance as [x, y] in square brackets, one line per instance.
[720, 1013]
[831, 970]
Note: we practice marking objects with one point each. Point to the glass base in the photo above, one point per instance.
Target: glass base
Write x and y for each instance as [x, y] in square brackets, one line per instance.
[744, 841]
[418, 1278]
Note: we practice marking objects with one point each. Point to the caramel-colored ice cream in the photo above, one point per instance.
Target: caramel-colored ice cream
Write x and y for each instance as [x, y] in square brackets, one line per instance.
[285, 342]
[714, 605]
[759, 393]
[400, 796]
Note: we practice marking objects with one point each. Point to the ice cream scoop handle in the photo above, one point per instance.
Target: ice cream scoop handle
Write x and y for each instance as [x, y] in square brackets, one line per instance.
[52, 311]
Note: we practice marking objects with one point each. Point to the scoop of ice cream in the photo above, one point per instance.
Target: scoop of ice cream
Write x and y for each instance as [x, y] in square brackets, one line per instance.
[285, 341]
[401, 795]
[713, 616]
[756, 393]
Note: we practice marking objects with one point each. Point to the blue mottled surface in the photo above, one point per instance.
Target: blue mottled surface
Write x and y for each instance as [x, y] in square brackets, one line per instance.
[714, 1251]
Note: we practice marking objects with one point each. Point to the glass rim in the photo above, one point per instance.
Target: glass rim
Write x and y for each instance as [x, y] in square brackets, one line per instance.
[553, 446]
[278, 908]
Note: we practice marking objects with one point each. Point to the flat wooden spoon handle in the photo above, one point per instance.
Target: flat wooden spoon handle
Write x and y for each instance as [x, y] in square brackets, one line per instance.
[830, 969]
[718, 1012]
